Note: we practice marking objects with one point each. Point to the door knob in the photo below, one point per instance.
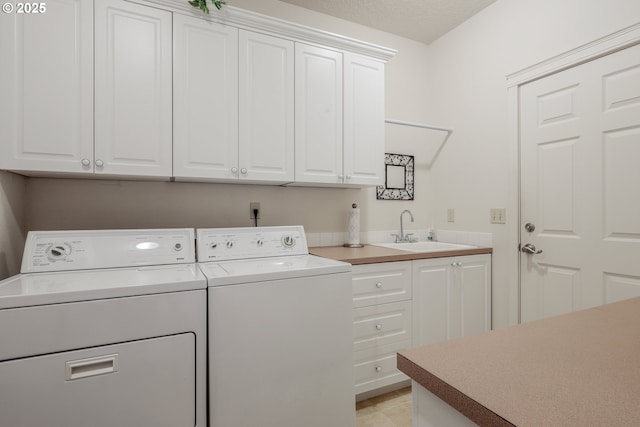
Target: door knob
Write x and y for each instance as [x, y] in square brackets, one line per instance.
[530, 248]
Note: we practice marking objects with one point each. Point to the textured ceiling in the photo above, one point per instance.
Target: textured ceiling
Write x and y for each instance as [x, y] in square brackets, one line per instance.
[421, 20]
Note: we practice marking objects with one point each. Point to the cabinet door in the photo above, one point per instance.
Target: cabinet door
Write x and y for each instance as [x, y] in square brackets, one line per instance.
[318, 122]
[266, 85]
[473, 273]
[363, 120]
[46, 88]
[451, 298]
[133, 89]
[205, 99]
[433, 301]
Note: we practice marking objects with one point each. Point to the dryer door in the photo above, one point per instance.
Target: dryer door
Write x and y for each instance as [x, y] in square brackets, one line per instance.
[140, 383]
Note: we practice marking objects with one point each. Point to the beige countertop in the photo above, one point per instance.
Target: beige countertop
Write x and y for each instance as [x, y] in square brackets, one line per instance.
[370, 254]
[578, 369]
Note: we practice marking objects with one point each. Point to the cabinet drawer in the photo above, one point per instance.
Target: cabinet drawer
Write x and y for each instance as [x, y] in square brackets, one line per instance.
[381, 283]
[377, 367]
[381, 325]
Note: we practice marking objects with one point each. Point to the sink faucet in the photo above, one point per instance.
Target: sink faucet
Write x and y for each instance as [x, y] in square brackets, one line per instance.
[404, 237]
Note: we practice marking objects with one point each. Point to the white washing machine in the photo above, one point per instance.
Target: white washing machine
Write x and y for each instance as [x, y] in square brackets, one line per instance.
[102, 329]
[280, 335]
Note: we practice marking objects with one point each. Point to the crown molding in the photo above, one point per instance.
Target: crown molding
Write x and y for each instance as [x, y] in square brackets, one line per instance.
[245, 19]
[613, 42]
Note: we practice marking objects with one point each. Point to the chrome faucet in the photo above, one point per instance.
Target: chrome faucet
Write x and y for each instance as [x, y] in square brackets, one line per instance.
[404, 237]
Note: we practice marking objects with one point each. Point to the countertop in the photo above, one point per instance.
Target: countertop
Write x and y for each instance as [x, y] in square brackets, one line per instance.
[577, 369]
[370, 254]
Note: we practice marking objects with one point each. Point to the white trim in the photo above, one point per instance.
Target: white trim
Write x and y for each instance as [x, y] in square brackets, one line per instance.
[603, 46]
[240, 18]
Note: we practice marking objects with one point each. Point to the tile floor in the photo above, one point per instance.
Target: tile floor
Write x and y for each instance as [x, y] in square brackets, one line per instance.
[388, 410]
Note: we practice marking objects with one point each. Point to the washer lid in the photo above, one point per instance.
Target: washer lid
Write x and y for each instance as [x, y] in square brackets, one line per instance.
[24, 290]
[275, 268]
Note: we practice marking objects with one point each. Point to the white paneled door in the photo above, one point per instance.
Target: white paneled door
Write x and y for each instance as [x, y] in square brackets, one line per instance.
[580, 186]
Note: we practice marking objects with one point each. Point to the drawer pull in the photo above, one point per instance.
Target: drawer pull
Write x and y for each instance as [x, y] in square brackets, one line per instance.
[379, 285]
[76, 369]
[379, 326]
[378, 368]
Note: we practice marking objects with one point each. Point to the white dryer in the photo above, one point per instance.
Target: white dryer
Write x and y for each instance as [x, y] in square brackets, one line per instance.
[280, 330]
[102, 329]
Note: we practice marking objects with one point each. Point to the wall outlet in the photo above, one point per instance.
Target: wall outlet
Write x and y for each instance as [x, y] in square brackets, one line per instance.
[252, 207]
[451, 215]
[498, 216]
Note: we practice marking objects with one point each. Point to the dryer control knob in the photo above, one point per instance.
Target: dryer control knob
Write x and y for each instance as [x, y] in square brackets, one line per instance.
[58, 251]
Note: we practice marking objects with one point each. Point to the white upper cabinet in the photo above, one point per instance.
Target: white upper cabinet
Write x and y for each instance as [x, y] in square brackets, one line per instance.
[46, 89]
[363, 120]
[114, 88]
[205, 100]
[266, 106]
[133, 85]
[318, 120]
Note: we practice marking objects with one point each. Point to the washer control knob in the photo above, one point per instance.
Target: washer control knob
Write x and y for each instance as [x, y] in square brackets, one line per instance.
[229, 244]
[259, 243]
[177, 247]
[288, 241]
[213, 246]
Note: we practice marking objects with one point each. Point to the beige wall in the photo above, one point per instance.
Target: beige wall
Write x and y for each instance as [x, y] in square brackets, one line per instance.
[12, 214]
[477, 169]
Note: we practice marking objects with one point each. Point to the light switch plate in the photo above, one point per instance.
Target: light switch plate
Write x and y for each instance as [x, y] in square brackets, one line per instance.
[498, 216]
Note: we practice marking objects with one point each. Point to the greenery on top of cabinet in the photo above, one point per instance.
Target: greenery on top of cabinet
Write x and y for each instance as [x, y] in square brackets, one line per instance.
[202, 4]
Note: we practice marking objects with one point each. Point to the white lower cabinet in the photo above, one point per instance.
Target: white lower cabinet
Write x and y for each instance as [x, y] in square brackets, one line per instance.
[381, 322]
[451, 298]
[399, 305]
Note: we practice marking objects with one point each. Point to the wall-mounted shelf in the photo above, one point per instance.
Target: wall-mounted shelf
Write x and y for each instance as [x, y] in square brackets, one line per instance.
[418, 125]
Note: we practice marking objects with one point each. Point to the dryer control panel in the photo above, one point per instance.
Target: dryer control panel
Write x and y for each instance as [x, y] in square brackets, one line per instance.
[91, 249]
[216, 244]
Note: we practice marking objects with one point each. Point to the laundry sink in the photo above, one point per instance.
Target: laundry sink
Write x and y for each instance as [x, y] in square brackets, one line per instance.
[428, 246]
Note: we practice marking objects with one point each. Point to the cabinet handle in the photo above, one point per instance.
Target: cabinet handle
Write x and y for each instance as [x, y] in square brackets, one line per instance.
[99, 163]
[234, 170]
[243, 171]
[85, 162]
[378, 368]
[379, 326]
[379, 285]
[456, 264]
